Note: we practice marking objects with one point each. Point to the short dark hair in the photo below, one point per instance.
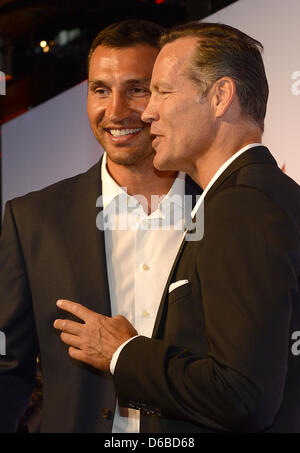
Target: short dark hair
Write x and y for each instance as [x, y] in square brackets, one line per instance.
[226, 51]
[127, 33]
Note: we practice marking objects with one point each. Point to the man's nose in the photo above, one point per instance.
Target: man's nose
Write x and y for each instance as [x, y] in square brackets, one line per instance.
[149, 114]
[118, 108]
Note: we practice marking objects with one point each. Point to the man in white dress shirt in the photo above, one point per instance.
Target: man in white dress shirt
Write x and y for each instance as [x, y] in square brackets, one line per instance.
[139, 255]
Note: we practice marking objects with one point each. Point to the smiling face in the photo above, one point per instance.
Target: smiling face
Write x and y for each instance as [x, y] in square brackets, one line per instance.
[182, 123]
[118, 92]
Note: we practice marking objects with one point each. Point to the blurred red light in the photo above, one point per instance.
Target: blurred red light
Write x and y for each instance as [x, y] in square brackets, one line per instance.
[159, 2]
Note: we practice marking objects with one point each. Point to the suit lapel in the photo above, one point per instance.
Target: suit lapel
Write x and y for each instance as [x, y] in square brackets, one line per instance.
[257, 155]
[260, 155]
[84, 242]
[192, 189]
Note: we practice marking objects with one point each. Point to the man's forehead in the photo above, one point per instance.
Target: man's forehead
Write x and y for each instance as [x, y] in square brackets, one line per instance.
[179, 50]
[136, 54]
[137, 61]
[173, 59]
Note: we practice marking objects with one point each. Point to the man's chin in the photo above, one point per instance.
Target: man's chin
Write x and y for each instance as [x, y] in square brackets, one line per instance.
[128, 157]
[162, 164]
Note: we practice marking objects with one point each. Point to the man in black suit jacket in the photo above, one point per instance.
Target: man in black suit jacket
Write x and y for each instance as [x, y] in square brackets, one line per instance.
[221, 358]
[51, 248]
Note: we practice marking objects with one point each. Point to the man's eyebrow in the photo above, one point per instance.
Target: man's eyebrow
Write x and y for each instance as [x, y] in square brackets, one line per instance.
[139, 80]
[98, 82]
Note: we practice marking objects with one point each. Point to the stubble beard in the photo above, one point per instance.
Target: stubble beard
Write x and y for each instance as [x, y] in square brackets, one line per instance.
[130, 158]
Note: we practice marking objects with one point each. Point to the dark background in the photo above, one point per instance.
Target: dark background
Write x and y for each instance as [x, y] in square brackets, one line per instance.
[69, 26]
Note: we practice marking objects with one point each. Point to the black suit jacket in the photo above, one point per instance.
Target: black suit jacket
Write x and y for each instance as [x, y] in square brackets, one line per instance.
[50, 248]
[221, 359]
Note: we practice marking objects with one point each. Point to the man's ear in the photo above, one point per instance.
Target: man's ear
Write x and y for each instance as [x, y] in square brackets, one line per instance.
[224, 95]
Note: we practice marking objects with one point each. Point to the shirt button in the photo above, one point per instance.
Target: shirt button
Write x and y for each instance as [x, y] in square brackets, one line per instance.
[145, 267]
[146, 314]
[131, 202]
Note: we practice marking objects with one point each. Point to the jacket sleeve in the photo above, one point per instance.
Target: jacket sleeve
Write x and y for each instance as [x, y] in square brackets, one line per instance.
[18, 365]
[248, 267]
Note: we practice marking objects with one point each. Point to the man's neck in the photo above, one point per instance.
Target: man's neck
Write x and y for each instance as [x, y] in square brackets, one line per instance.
[209, 162]
[142, 179]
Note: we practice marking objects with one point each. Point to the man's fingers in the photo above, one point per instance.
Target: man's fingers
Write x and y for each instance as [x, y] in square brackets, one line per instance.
[76, 354]
[76, 309]
[68, 326]
[70, 340]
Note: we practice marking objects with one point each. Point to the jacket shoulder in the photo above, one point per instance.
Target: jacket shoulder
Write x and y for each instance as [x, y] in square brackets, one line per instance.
[60, 191]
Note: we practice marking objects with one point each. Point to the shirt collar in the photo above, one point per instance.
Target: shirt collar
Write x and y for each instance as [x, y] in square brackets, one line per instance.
[219, 172]
[111, 190]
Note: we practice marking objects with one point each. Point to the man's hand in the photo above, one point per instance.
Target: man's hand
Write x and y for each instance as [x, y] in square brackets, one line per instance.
[94, 341]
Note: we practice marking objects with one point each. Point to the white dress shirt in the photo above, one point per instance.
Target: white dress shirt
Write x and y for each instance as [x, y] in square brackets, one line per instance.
[140, 251]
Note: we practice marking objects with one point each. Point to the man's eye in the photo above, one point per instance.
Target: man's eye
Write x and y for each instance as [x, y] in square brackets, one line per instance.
[102, 91]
